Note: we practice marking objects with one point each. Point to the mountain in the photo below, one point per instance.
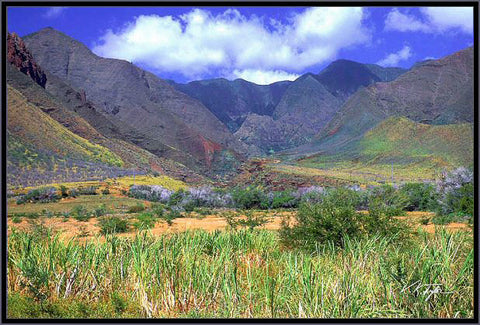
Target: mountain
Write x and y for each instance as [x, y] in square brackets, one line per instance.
[65, 112]
[232, 101]
[309, 103]
[436, 92]
[165, 121]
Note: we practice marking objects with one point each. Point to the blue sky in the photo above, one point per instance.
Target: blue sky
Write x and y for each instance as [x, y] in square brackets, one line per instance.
[259, 44]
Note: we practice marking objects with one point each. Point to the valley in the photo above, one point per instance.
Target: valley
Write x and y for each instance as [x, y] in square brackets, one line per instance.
[345, 192]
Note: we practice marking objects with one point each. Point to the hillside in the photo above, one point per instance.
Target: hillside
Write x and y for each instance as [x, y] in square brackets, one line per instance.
[233, 101]
[309, 103]
[166, 122]
[435, 92]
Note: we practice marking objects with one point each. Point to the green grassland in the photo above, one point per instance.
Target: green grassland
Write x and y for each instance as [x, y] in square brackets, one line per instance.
[239, 274]
[30, 124]
[412, 151]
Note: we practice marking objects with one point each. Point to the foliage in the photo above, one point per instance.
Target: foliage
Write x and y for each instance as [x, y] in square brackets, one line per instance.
[456, 193]
[245, 218]
[89, 190]
[240, 274]
[155, 193]
[284, 199]
[39, 195]
[139, 207]
[112, 225]
[250, 198]
[144, 221]
[421, 197]
[391, 201]
[80, 213]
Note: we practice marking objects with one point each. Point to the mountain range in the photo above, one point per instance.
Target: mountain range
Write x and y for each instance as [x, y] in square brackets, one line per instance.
[118, 117]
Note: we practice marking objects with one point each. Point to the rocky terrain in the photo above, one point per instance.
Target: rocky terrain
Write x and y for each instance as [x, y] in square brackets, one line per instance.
[137, 120]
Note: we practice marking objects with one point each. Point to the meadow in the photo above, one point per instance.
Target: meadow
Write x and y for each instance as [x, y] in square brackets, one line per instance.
[159, 252]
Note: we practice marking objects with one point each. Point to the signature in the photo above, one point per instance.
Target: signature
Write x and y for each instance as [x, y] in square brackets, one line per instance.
[426, 290]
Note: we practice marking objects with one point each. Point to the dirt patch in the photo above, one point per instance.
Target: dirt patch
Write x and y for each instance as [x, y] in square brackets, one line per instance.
[69, 228]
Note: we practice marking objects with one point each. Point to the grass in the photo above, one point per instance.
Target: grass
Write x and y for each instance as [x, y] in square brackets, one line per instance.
[162, 180]
[27, 121]
[239, 274]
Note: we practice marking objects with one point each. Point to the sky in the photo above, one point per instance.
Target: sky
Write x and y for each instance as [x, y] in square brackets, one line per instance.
[259, 44]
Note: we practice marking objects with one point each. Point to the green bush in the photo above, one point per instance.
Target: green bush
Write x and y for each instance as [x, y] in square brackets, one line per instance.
[101, 210]
[284, 199]
[80, 213]
[251, 220]
[139, 207]
[380, 221]
[176, 197]
[390, 201]
[319, 223]
[112, 225]
[145, 221]
[40, 195]
[335, 219]
[421, 197]
[250, 198]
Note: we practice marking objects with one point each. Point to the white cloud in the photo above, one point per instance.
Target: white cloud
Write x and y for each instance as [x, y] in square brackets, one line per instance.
[444, 18]
[394, 58]
[404, 23]
[433, 20]
[199, 42]
[54, 12]
[263, 77]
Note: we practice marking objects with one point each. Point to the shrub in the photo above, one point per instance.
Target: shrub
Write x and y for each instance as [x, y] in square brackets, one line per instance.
[40, 195]
[284, 199]
[145, 221]
[89, 190]
[139, 207]
[100, 210]
[251, 219]
[170, 215]
[112, 225]
[106, 191]
[73, 192]
[389, 200]
[421, 197]
[64, 191]
[249, 198]
[310, 194]
[80, 213]
[207, 197]
[380, 221]
[334, 219]
[456, 193]
[153, 193]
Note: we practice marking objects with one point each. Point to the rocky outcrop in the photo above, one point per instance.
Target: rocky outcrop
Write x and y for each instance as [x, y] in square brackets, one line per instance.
[20, 57]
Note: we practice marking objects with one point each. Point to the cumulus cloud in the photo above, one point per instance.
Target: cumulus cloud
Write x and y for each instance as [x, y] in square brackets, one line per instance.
[54, 12]
[432, 20]
[394, 58]
[199, 42]
[262, 77]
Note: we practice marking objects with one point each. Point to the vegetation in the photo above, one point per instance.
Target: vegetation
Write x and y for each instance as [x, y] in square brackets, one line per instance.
[240, 274]
[112, 225]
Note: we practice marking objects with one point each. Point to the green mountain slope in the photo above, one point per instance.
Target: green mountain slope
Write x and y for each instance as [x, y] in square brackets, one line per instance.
[436, 92]
[411, 150]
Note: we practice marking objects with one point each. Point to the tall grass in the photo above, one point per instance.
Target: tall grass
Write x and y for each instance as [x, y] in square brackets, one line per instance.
[238, 274]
